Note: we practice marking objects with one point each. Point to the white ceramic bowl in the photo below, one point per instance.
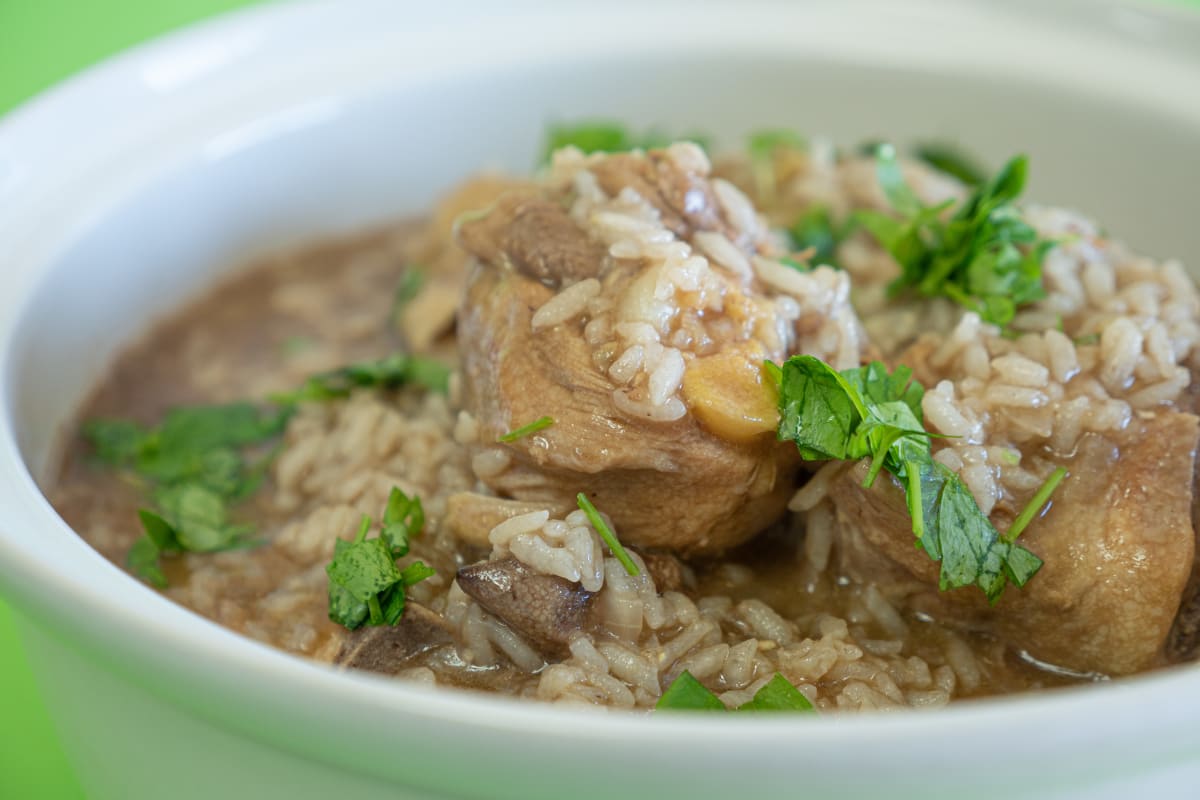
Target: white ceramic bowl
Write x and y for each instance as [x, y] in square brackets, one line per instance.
[130, 187]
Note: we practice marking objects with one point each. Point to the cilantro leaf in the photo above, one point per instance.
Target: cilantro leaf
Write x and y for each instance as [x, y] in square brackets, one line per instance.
[687, 694]
[762, 148]
[114, 441]
[819, 411]
[778, 695]
[590, 137]
[411, 282]
[951, 160]
[404, 518]
[201, 459]
[143, 561]
[365, 584]
[392, 372]
[538, 424]
[984, 256]
[815, 229]
[601, 136]
[868, 412]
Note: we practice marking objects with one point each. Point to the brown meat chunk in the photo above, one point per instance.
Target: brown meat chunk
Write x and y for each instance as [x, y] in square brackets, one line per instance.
[470, 516]
[387, 649]
[668, 485]
[544, 609]
[536, 236]
[429, 316]
[685, 201]
[1117, 543]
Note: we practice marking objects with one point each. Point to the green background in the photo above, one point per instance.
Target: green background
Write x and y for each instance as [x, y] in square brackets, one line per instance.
[42, 42]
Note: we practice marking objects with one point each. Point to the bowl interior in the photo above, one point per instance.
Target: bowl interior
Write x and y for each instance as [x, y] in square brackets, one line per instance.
[346, 134]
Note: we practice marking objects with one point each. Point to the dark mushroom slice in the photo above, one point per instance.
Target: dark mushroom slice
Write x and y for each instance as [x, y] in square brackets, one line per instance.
[544, 609]
[537, 237]
[387, 649]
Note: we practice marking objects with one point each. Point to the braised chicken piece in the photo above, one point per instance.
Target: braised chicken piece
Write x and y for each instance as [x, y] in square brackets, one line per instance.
[1117, 546]
[634, 300]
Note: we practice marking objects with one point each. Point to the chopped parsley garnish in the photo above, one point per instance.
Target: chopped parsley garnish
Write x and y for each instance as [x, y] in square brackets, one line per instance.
[391, 372]
[541, 423]
[816, 229]
[687, 694]
[194, 464]
[762, 148]
[606, 533]
[410, 285]
[365, 584]
[984, 256]
[1035, 504]
[868, 412]
[600, 136]
[200, 460]
[951, 160]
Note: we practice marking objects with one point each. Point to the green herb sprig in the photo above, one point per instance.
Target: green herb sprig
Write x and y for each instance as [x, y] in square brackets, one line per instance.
[601, 136]
[201, 460]
[607, 534]
[687, 694]
[868, 412]
[951, 160]
[365, 584]
[816, 229]
[391, 372]
[193, 465]
[984, 256]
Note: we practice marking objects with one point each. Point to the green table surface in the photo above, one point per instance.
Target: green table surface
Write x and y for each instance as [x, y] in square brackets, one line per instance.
[41, 43]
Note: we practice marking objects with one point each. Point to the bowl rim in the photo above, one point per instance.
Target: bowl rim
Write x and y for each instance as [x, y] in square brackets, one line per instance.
[170, 641]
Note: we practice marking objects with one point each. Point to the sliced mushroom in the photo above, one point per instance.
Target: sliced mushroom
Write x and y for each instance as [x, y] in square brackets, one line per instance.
[537, 237]
[544, 609]
[387, 649]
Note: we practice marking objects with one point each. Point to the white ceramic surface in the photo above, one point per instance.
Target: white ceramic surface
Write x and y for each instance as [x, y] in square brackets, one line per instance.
[133, 185]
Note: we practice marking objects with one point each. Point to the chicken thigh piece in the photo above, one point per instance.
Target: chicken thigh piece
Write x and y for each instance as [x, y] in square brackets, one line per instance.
[633, 300]
[1117, 546]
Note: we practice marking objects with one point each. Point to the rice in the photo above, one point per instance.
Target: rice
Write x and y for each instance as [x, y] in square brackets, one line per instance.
[1115, 338]
[566, 305]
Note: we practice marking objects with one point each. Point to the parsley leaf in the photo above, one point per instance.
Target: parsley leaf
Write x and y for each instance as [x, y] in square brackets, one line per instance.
[762, 147]
[538, 424]
[778, 695]
[410, 285]
[365, 585]
[687, 694]
[600, 136]
[815, 229]
[607, 534]
[868, 412]
[200, 459]
[403, 519]
[951, 160]
[984, 256]
[391, 372]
